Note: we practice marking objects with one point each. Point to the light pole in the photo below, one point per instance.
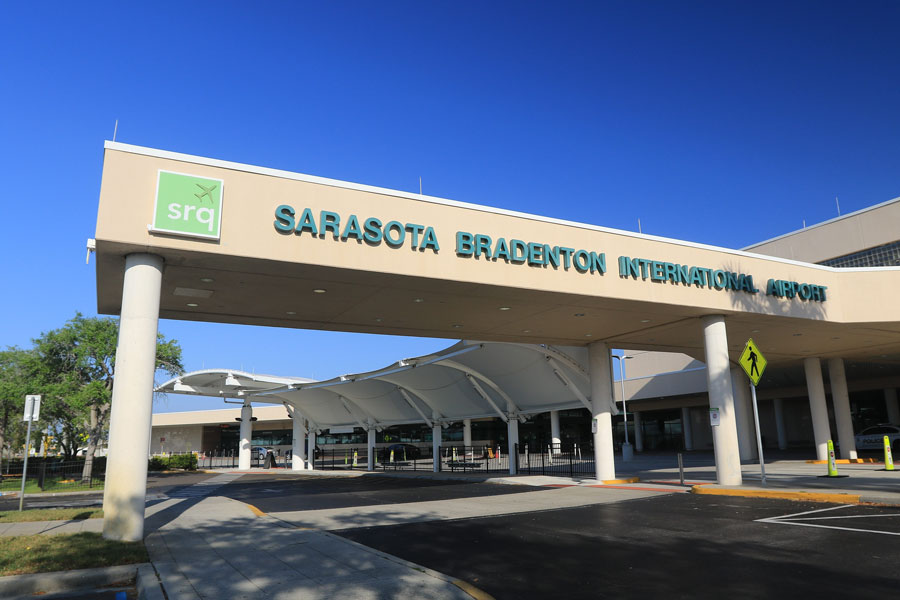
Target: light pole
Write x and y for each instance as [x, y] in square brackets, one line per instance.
[627, 449]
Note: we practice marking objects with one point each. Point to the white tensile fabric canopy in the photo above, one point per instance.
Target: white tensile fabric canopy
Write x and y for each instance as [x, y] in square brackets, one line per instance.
[468, 380]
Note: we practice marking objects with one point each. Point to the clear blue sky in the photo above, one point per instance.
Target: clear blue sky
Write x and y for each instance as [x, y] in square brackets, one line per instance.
[718, 122]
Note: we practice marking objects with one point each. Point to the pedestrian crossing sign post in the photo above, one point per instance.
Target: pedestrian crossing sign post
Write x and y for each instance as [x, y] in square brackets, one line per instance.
[754, 364]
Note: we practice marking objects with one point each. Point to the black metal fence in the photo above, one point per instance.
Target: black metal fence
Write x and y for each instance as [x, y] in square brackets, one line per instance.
[51, 475]
[218, 459]
[561, 460]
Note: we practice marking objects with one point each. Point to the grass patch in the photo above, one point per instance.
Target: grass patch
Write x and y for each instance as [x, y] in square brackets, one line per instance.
[58, 484]
[45, 553]
[50, 514]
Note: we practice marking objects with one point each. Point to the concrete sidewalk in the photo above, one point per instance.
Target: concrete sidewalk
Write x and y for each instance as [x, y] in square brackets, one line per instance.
[218, 548]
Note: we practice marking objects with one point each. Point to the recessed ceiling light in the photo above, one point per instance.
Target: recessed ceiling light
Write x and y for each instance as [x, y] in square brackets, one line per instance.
[579, 314]
[754, 331]
[207, 279]
[192, 304]
[589, 335]
[645, 320]
[291, 312]
[456, 326]
[504, 308]
[378, 319]
[526, 331]
[319, 291]
[418, 300]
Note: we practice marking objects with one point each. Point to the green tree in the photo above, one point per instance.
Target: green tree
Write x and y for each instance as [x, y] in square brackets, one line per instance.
[76, 373]
[16, 373]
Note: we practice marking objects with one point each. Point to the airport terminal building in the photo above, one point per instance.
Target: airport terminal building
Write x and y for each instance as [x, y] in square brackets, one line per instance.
[539, 303]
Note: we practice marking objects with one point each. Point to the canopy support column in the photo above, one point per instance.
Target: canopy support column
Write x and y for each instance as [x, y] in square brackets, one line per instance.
[298, 449]
[132, 400]
[817, 407]
[600, 369]
[246, 436]
[718, 381]
[840, 398]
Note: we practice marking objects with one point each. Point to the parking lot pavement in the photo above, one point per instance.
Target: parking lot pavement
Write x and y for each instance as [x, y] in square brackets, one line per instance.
[679, 545]
[528, 500]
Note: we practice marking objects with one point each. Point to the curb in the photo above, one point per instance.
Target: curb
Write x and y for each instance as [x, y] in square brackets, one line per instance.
[149, 586]
[846, 461]
[833, 498]
[69, 581]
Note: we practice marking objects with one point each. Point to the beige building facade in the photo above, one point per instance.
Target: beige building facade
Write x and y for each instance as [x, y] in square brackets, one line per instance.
[193, 238]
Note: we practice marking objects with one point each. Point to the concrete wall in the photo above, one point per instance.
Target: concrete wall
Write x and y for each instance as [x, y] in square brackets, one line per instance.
[184, 438]
[851, 233]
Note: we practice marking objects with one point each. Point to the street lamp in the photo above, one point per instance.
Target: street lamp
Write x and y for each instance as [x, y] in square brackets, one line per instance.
[627, 450]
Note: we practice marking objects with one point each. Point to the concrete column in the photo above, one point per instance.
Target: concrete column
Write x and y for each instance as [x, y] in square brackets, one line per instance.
[893, 410]
[638, 432]
[743, 414]
[467, 432]
[600, 372]
[779, 424]
[132, 400]
[370, 450]
[246, 435]
[298, 448]
[817, 408]
[436, 446]
[310, 448]
[840, 399]
[687, 428]
[555, 438]
[512, 437]
[718, 381]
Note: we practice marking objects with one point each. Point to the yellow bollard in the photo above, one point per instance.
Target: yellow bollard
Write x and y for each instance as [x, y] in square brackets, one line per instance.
[832, 468]
[392, 456]
[346, 456]
[454, 454]
[888, 458]
[355, 458]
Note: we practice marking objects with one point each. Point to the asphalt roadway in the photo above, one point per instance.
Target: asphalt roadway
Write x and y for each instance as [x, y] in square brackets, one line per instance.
[677, 546]
[292, 492]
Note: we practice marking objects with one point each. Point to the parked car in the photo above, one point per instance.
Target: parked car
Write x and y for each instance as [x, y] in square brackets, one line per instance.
[872, 438]
[401, 452]
[260, 452]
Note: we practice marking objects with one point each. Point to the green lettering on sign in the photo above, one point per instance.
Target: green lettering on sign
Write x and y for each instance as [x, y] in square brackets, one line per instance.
[188, 205]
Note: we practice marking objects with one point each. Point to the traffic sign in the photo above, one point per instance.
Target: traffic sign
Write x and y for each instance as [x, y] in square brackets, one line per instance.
[753, 362]
[32, 407]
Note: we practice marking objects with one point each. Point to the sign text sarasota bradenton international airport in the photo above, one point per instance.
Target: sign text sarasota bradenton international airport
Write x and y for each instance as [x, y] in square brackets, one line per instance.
[397, 234]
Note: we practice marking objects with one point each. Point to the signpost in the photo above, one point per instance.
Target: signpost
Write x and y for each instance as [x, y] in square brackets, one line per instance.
[32, 412]
[754, 364]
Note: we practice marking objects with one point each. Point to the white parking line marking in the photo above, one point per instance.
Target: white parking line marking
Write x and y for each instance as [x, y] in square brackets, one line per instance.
[796, 518]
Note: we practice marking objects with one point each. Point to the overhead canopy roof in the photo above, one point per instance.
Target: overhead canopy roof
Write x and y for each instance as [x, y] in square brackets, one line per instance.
[260, 271]
[468, 380]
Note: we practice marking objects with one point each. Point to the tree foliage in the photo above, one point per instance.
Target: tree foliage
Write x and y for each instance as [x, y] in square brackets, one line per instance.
[73, 368]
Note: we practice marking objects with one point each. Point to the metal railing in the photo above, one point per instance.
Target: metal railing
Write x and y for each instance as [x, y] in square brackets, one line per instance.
[563, 460]
[51, 475]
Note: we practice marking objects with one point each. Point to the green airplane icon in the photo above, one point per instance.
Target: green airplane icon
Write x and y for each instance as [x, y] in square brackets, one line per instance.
[207, 191]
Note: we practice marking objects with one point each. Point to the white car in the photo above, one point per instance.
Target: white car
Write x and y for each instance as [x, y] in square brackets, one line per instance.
[872, 438]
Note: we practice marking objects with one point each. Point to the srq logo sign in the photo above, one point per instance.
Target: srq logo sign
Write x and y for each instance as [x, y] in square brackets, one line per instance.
[188, 205]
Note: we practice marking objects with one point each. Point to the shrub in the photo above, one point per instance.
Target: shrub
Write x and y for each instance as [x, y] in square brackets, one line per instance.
[157, 463]
[183, 461]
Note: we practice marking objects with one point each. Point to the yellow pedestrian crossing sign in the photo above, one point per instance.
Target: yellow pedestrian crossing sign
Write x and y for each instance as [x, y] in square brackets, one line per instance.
[753, 362]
